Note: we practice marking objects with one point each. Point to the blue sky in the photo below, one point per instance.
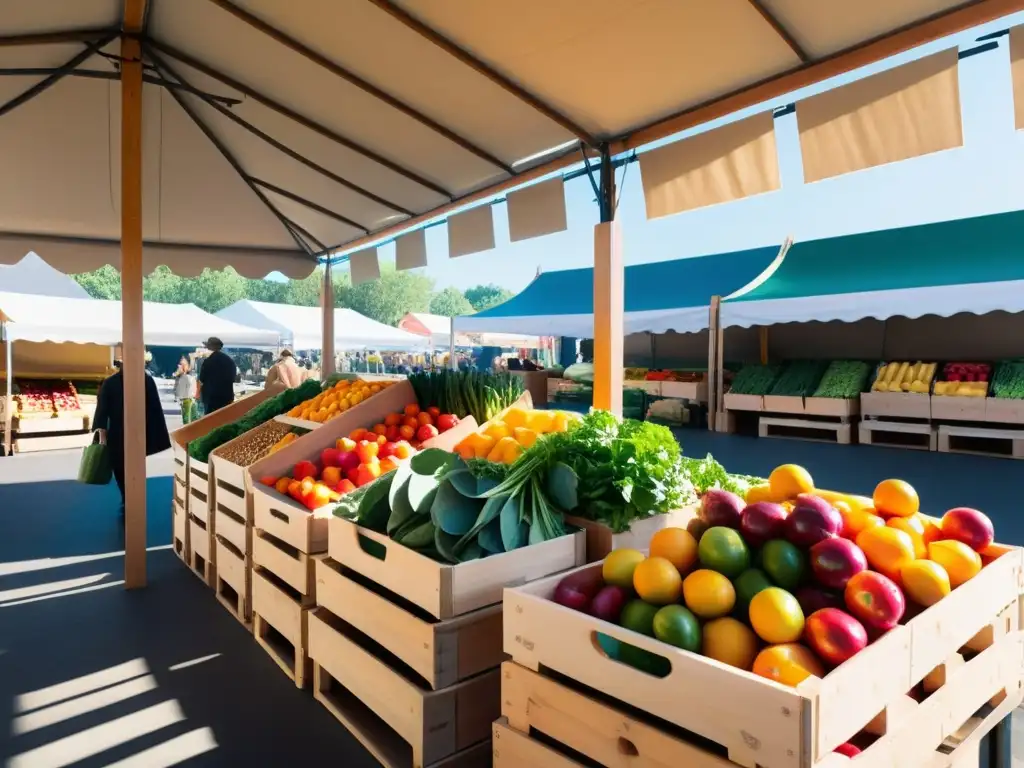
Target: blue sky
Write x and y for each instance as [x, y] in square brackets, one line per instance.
[981, 177]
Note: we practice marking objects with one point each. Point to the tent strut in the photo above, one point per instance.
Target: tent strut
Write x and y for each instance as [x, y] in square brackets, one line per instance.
[291, 114]
[336, 69]
[57, 75]
[233, 162]
[449, 47]
[288, 150]
[781, 30]
[67, 36]
[307, 203]
[306, 234]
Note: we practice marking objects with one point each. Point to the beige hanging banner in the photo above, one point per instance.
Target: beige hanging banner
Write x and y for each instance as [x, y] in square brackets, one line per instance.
[471, 231]
[536, 211]
[1017, 71]
[906, 112]
[411, 250]
[364, 266]
[728, 163]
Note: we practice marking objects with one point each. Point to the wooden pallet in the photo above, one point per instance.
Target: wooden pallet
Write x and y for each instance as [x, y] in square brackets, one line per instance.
[755, 721]
[398, 719]
[441, 652]
[201, 553]
[806, 429]
[982, 441]
[233, 581]
[914, 435]
[280, 623]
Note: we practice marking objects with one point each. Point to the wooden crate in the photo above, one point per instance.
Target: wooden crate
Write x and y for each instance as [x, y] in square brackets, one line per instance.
[901, 405]
[233, 529]
[179, 454]
[290, 565]
[601, 539]
[696, 391]
[201, 551]
[441, 652]
[953, 408]
[280, 623]
[832, 406]
[760, 722]
[444, 590]
[398, 720]
[915, 435]
[817, 430]
[1004, 411]
[743, 402]
[180, 530]
[232, 581]
[512, 749]
[983, 441]
[784, 404]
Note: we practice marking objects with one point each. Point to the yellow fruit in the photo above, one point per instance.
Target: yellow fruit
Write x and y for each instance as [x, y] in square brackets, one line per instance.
[525, 437]
[510, 450]
[677, 546]
[776, 616]
[561, 422]
[925, 582]
[498, 430]
[960, 561]
[540, 421]
[730, 642]
[483, 445]
[355, 398]
[515, 417]
[758, 493]
[619, 565]
[708, 594]
[375, 388]
[657, 581]
[789, 481]
[789, 664]
[896, 497]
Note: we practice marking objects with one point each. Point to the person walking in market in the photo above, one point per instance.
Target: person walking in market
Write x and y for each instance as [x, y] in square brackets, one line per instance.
[217, 377]
[185, 390]
[286, 371]
[109, 423]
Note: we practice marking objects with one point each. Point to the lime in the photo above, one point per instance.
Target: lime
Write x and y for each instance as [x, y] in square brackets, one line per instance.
[676, 626]
[748, 584]
[639, 617]
[784, 563]
[724, 550]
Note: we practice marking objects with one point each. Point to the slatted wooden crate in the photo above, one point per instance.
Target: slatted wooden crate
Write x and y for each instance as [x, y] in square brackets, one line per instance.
[233, 580]
[280, 622]
[180, 532]
[970, 642]
[201, 551]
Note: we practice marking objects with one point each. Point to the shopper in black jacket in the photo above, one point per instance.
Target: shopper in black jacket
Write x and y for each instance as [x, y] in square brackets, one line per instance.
[109, 421]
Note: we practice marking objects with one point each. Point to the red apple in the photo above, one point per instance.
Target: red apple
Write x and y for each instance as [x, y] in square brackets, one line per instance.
[835, 561]
[761, 522]
[969, 526]
[813, 599]
[812, 520]
[835, 635]
[875, 600]
[721, 508]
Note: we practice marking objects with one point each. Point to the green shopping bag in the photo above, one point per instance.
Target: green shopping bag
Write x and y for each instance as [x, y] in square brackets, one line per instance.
[94, 468]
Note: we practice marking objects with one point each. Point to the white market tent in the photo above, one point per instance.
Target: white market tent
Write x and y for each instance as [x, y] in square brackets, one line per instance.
[96, 321]
[35, 276]
[264, 135]
[439, 329]
[301, 327]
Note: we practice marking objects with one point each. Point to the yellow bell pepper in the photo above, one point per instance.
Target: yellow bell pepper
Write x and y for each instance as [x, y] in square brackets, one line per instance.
[515, 417]
[510, 449]
[498, 430]
[482, 445]
[497, 453]
[540, 421]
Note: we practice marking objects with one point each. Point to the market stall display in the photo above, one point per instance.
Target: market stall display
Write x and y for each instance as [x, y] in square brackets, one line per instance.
[773, 608]
[467, 393]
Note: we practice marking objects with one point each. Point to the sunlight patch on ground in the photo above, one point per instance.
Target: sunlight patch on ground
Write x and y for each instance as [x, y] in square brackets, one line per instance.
[172, 752]
[52, 694]
[83, 704]
[41, 564]
[193, 662]
[7, 595]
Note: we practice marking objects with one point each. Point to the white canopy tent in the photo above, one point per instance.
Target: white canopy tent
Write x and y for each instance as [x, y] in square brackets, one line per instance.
[439, 330]
[301, 328]
[35, 276]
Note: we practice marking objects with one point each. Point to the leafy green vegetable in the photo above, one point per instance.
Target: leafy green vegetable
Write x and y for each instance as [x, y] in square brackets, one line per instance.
[844, 379]
[464, 393]
[704, 474]
[755, 379]
[1008, 379]
[799, 378]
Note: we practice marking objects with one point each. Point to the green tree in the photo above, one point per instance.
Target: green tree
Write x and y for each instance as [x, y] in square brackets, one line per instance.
[164, 286]
[306, 292]
[272, 291]
[486, 296]
[214, 289]
[389, 298]
[450, 303]
[103, 283]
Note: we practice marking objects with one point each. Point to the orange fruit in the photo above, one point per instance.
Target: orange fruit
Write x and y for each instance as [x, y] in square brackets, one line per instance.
[925, 582]
[331, 476]
[424, 418]
[960, 561]
[619, 565]
[896, 497]
[776, 616]
[788, 663]
[387, 464]
[914, 528]
[887, 549]
[407, 432]
[657, 581]
[410, 421]
[856, 520]
[708, 594]
[393, 419]
[412, 410]
[380, 429]
[789, 481]
[675, 545]
[357, 434]
[730, 642]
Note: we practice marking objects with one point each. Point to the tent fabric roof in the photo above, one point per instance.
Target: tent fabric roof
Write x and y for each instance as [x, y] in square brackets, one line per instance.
[971, 265]
[301, 327]
[97, 321]
[660, 296]
[35, 276]
[439, 328]
[275, 131]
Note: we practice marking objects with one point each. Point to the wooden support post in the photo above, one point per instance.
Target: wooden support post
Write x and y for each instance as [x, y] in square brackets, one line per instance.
[762, 338]
[327, 353]
[131, 310]
[609, 305]
[714, 394]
